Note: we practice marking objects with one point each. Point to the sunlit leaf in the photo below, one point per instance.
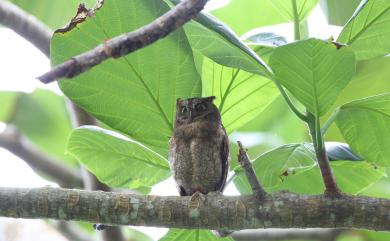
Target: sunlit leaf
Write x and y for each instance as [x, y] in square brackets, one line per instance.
[365, 125]
[314, 71]
[241, 96]
[244, 15]
[116, 160]
[8, 101]
[368, 30]
[135, 94]
[339, 12]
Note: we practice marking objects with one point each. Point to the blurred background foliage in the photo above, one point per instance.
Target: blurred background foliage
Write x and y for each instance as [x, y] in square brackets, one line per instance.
[273, 127]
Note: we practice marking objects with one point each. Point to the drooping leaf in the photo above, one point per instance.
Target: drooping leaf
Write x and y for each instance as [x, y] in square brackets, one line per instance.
[8, 101]
[244, 15]
[294, 168]
[338, 12]
[116, 160]
[314, 71]
[54, 13]
[368, 30]
[365, 125]
[217, 41]
[135, 94]
[241, 96]
[192, 235]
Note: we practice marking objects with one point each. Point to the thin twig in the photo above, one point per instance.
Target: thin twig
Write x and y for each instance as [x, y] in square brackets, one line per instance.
[127, 43]
[243, 159]
[12, 140]
[26, 25]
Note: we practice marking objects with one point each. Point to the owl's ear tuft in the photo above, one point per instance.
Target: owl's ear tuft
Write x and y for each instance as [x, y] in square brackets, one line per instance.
[209, 98]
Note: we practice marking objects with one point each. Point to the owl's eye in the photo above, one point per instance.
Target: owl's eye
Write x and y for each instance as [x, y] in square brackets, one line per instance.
[184, 109]
[200, 107]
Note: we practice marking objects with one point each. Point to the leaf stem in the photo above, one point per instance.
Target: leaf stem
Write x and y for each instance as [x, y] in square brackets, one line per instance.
[330, 121]
[289, 102]
[297, 34]
[331, 187]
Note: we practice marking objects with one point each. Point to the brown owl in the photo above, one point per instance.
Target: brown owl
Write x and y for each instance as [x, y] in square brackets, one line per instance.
[199, 147]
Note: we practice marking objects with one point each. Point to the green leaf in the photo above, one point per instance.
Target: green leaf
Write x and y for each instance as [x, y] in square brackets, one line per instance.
[293, 167]
[135, 94]
[116, 160]
[314, 71]
[217, 41]
[54, 13]
[272, 167]
[192, 235]
[368, 30]
[241, 96]
[43, 118]
[8, 101]
[245, 15]
[365, 125]
[338, 12]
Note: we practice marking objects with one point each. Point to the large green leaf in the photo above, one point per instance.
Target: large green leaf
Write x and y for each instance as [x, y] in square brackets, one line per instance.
[241, 96]
[314, 71]
[135, 94]
[117, 160]
[244, 15]
[192, 235]
[365, 125]
[293, 167]
[8, 101]
[217, 41]
[43, 118]
[371, 78]
[368, 30]
[54, 13]
[338, 12]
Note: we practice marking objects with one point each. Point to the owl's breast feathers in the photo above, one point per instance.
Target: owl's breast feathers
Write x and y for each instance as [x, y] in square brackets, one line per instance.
[199, 157]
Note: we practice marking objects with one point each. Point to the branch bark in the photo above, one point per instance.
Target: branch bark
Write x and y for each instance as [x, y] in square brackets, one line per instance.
[320, 234]
[14, 142]
[26, 26]
[280, 210]
[127, 43]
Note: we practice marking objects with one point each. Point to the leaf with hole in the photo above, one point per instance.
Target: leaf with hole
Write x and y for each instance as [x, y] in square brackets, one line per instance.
[314, 71]
[135, 94]
[116, 160]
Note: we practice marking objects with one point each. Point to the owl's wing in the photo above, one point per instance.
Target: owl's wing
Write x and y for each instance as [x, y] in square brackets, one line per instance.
[224, 153]
[172, 150]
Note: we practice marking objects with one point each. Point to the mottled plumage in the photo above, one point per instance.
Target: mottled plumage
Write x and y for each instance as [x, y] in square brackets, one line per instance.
[199, 147]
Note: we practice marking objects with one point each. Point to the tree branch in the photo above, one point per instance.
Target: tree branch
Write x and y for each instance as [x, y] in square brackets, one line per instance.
[127, 43]
[279, 210]
[320, 234]
[25, 25]
[243, 159]
[14, 142]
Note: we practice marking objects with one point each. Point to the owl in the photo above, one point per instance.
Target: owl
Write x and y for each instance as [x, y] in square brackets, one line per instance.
[199, 147]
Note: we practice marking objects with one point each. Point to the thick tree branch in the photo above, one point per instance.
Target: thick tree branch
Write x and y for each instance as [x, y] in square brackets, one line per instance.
[127, 43]
[14, 142]
[320, 234]
[280, 210]
[25, 25]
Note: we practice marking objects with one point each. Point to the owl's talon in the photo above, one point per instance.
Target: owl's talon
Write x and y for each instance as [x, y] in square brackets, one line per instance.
[198, 196]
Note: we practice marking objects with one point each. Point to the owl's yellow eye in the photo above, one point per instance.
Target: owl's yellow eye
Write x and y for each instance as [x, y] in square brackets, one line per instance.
[200, 107]
[184, 109]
